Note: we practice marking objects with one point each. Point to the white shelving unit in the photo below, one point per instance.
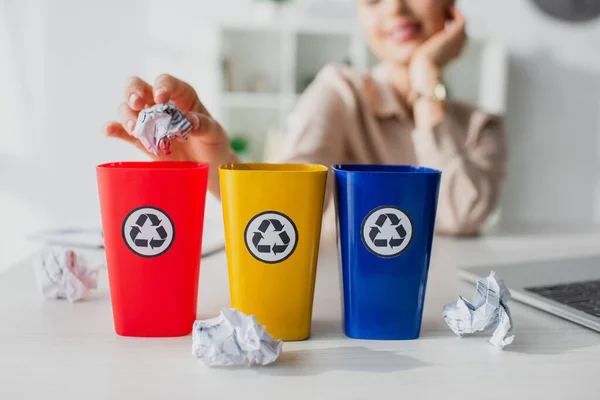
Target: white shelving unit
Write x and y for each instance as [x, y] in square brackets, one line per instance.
[270, 65]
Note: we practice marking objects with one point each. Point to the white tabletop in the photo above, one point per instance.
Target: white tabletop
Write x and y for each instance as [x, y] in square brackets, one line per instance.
[54, 349]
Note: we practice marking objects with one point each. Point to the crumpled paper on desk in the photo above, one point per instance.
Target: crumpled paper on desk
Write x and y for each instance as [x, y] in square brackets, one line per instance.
[158, 125]
[487, 309]
[63, 274]
[233, 338]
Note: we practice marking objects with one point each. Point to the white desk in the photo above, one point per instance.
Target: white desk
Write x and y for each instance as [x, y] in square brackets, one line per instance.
[54, 349]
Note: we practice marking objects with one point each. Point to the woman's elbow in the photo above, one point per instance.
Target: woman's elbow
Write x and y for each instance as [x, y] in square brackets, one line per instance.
[467, 211]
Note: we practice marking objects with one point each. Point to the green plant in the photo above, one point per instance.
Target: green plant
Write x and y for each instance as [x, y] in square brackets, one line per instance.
[240, 143]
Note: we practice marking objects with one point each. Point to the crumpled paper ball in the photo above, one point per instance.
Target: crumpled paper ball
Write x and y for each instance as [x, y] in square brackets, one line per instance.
[63, 274]
[233, 338]
[158, 125]
[487, 310]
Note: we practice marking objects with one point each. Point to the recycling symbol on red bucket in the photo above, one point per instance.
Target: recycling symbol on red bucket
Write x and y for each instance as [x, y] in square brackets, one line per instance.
[387, 231]
[271, 237]
[148, 231]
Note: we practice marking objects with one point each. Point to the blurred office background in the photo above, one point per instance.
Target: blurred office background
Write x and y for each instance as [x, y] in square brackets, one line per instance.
[63, 64]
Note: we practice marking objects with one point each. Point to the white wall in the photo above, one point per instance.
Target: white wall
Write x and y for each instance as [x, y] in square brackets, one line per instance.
[63, 65]
[553, 115]
[76, 55]
[75, 59]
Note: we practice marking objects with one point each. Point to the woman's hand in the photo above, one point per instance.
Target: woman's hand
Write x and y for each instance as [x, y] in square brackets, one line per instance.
[208, 141]
[426, 66]
[433, 55]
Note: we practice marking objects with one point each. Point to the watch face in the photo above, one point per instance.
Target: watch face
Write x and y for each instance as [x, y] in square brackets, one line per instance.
[570, 10]
[440, 92]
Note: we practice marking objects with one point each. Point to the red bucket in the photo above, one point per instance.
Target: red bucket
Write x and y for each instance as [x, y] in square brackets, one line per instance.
[152, 219]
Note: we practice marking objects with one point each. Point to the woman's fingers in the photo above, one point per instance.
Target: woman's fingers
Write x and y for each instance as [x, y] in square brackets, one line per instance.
[138, 93]
[127, 116]
[459, 21]
[446, 44]
[116, 130]
[206, 127]
[167, 87]
[457, 33]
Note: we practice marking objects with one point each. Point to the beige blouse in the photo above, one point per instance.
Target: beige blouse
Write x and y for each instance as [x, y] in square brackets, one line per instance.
[346, 116]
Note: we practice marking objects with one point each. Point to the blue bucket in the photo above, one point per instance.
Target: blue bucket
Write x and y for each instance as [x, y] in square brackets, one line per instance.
[386, 218]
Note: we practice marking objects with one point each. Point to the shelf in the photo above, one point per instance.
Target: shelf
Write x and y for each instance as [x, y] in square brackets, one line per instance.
[252, 60]
[258, 100]
[325, 27]
[255, 125]
[264, 64]
[314, 51]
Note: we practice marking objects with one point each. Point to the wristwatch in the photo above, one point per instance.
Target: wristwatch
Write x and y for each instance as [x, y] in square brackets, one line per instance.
[437, 94]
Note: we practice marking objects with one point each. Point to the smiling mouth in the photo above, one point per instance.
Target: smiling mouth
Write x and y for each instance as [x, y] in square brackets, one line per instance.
[404, 33]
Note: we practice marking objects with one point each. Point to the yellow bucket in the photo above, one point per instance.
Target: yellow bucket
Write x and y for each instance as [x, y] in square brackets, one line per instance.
[273, 216]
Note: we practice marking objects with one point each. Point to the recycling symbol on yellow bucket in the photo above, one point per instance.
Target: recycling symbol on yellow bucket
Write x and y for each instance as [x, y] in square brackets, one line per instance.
[387, 231]
[271, 237]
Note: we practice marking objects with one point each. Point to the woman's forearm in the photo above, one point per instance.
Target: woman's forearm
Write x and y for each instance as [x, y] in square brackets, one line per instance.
[427, 111]
[225, 155]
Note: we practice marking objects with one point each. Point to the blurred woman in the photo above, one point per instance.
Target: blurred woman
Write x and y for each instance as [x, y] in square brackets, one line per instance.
[395, 114]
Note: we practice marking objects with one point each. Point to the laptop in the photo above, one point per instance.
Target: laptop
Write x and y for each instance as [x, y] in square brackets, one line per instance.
[568, 288]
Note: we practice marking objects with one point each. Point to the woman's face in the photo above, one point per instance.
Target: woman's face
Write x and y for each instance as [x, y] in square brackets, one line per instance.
[395, 28]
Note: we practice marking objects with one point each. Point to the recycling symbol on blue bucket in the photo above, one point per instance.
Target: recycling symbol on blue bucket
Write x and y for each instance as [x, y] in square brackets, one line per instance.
[387, 231]
[271, 237]
[148, 231]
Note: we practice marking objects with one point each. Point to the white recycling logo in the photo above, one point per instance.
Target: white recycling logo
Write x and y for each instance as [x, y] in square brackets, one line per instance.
[387, 231]
[271, 237]
[148, 231]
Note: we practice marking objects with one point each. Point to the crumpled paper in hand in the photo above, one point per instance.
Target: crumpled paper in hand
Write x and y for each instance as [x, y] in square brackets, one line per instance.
[233, 338]
[488, 309]
[158, 125]
[63, 274]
